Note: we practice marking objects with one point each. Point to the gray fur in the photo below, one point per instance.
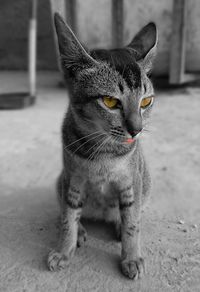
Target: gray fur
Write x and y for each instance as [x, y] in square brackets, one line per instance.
[103, 177]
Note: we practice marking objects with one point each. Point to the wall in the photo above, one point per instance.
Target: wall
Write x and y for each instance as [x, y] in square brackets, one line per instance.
[94, 19]
[14, 16]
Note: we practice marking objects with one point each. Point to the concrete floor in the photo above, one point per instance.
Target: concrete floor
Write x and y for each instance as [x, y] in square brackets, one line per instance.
[30, 155]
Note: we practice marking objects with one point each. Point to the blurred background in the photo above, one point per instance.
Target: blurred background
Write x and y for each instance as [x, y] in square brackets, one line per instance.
[94, 19]
[33, 100]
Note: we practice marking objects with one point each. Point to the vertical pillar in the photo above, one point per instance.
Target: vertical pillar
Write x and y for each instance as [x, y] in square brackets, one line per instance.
[178, 45]
[117, 23]
[32, 48]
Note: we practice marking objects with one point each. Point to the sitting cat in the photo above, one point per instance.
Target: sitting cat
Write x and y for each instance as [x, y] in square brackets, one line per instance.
[104, 172]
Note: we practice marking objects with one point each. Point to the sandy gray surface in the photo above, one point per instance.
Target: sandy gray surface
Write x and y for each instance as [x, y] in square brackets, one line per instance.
[30, 160]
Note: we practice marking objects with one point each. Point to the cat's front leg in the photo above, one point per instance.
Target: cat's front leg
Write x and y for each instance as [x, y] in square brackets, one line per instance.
[131, 261]
[60, 257]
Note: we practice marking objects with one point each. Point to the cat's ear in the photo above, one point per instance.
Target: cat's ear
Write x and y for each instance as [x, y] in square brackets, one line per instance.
[145, 43]
[73, 56]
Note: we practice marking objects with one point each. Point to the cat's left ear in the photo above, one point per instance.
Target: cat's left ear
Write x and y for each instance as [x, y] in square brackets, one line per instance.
[73, 56]
[145, 44]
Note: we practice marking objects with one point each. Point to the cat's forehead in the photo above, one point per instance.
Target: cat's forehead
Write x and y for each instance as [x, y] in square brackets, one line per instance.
[101, 78]
[123, 62]
[108, 79]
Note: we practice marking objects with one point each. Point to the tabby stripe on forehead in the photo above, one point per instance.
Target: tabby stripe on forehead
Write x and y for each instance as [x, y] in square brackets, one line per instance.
[121, 87]
[124, 62]
[131, 74]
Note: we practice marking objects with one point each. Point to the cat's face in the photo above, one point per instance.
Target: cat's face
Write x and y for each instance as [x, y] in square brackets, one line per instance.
[106, 101]
[110, 89]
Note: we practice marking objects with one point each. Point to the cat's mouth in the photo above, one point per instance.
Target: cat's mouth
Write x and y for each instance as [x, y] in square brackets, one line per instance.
[129, 141]
[125, 138]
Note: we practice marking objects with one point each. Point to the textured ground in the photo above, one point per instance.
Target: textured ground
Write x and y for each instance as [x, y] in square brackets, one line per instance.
[30, 160]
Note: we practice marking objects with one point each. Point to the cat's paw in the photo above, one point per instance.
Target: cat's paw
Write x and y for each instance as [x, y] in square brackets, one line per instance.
[57, 261]
[133, 269]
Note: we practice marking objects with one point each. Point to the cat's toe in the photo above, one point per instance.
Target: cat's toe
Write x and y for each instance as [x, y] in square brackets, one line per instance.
[82, 236]
[133, 269]
[57, 261]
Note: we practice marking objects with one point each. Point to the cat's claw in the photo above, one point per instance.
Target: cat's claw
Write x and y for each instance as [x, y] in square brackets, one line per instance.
[133, 269]
[57, 261]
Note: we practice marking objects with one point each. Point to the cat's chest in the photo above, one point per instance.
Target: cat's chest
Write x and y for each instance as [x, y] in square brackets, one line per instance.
[98, 189]
[103, 174]
[107, 170]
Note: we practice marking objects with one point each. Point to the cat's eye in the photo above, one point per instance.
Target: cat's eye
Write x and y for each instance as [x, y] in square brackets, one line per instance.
[146, 102]
[110, 102]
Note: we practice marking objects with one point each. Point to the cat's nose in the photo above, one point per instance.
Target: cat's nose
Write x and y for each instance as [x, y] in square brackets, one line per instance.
[135, 132]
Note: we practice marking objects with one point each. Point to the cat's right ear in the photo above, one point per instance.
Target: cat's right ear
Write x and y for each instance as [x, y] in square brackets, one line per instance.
[73, 56]
[145, 44]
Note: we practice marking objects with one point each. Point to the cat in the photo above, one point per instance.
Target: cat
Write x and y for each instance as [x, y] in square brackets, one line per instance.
[104, 172]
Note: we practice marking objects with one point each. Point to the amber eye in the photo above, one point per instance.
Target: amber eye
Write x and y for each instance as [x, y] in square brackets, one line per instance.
[110, 102]
[146, 102]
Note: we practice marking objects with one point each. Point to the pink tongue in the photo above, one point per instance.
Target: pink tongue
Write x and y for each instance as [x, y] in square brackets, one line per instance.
[129, 140]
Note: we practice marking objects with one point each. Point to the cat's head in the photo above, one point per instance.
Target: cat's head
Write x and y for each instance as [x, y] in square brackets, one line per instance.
[110, 90]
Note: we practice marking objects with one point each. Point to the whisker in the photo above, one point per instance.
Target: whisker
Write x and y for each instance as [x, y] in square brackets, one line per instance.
[116, 139]
[109, 138]
[87, 142]
[101, 146]
[145, 130]
[98, 148]
[94, 145]
[149, 129]
[98, 143]
[116, 133]
[149, 126]
[80, 139]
